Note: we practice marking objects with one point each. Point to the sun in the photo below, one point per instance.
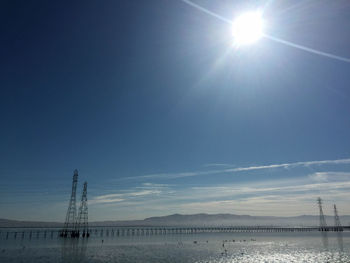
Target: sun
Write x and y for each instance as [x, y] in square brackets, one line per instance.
[247, 28]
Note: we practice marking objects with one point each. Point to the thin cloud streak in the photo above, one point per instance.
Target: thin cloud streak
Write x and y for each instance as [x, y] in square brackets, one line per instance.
[330, 176]
[241, 169]
[143, 191]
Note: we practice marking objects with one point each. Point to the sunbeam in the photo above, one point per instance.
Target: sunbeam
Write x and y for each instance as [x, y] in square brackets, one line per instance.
[281, 41]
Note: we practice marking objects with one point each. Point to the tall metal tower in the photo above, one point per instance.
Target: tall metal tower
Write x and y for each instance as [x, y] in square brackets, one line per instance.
[337, 224]
[82, 220]
[69, 224]
[338, 229]
[323, 225]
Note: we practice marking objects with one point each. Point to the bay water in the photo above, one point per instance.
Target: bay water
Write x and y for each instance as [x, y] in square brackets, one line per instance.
[196, 248]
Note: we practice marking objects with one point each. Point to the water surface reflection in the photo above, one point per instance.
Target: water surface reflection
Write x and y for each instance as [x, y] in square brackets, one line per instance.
[73, 250]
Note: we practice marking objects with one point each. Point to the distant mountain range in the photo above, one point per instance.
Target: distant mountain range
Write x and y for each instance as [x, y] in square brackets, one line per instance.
[196, 220]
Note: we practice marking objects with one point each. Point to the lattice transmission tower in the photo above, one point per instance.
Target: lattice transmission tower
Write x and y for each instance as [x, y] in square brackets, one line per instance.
[323, 225]
[338, 229]
[82, 225]
[69, 224]
[337, 224]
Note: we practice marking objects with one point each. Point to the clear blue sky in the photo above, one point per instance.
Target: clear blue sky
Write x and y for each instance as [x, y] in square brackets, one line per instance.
[157, 111]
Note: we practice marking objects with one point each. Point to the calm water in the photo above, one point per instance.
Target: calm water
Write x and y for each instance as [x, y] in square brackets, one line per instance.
[204, 247]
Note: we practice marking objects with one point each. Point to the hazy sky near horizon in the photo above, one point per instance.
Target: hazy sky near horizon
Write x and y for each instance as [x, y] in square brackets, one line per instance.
[158, 111]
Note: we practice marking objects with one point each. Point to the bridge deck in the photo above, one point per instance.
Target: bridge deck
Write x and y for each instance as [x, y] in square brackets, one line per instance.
[115, 231]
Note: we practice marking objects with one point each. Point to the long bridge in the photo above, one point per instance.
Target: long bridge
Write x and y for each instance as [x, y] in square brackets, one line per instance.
[115, 231]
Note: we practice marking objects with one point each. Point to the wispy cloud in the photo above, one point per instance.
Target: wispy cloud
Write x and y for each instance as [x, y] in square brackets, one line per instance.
[105, 200]
[285, 189]
[242, 169]
[330, 176]
[295, 164]
[146, 189]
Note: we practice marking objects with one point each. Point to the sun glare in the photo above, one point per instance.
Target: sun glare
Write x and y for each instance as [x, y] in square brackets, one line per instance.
[247, 28]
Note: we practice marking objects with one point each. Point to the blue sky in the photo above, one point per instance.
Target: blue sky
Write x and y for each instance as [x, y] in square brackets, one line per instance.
[160, 114]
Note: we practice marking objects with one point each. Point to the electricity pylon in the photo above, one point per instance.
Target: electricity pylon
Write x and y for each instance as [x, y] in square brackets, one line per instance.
[69, 224]
[82, 220]
[337, 224]
[338, 229]
[323, 226]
